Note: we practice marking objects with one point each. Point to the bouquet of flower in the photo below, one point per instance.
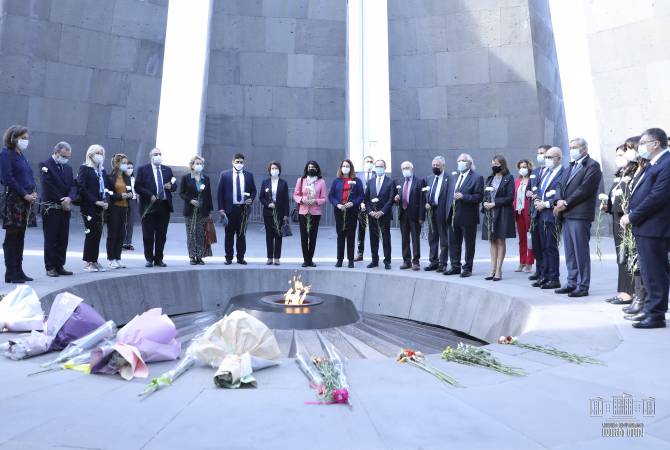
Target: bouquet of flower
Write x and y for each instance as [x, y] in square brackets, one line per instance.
[275, 218]
[429, 212]
[326, 377]
[477, 356]
[375, 202]
[419, 360]
[572, 357]
[488, 214]
[244, 221]
[21, 310]
[603, 201]
[80, 346]
[558, 225]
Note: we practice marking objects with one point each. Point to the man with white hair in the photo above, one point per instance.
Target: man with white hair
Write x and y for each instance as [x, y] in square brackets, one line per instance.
[468, 193]
[411, 214]
[438, 206]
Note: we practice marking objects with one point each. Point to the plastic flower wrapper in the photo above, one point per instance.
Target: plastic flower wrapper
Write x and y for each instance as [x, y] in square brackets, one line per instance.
[167, 378]
[549, 350]
[75, 348]
[338, 363]
[304, 362]
[69, 319]
[21, 310]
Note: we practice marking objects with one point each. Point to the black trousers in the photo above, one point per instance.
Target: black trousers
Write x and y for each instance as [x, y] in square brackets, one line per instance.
[536, 242]
[361, 231]
[410, 234]
[458, 234]
[550, 268]
[272, 238]
[56, 228]
[234, 236]
[438, 240]
[154, 230]
[345, 226]
[308, 240]
[116, 231]
[93, 230]
[13, 251]
[655, 269]
[382, 224]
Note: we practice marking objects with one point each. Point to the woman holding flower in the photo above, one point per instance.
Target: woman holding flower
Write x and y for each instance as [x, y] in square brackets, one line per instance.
[118, 183]
[345, 193]
[522, 205]
[274, 198]
[91, 185]
[196, 191]
[310, 195]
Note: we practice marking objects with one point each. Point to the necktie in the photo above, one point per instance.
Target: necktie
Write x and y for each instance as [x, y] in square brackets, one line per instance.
[405, 194]
[379, 184]
[575, 168]
[545, 182]
[101, 183]
[239, 188]
[60, 167]
[458, 185]
[159, 180]
[432, 191]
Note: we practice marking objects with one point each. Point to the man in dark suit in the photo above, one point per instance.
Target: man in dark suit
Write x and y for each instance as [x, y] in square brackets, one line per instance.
[468, 193]
[155, 184]
[236, 193]
[576, 204]
[411, 199]
[438, 206]
[649, 215]
[544, 198]
[379, 205]
[365, 176]
[58, 191]
[531, 192]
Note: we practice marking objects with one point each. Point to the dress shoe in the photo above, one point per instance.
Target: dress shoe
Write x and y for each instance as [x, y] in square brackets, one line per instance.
[52, 273]
[533, 277]
[550, 285]
[62, 271]
[241, 261]
[149, 264]
[359, 258]
[193, 262]
[649, 323]
[25, 277]
[338, 263]
[452, 271]
[635, 307]
[372, 265]
[387, 266]
[14, 280]
[351, 264]
[230, 261]
[621, 301]
[539, 283]
[430, 267]
[497, 278]
[303, 264]
[269, 262]
[578, 293]
[636, 317]
[466, 274]
[611, 299]
[200, 261]
[405, 266]
[565, 290]
[490, 277]
[160, 263]
[276, 263]
[440, 269]
[416, 267]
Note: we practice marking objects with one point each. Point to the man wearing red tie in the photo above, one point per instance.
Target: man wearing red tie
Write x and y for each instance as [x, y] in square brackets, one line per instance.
[411, 214]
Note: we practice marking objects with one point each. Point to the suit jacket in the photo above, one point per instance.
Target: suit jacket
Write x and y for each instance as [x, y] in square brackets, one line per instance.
[614, 205]
[580, 191]
[649, 203]
[361, 176]
[445, 198]
[56, 182]
[88, 187]
[547, 214]
[385, 195]
[188, 191]
[225, 189]
[467, 208]
[356, 195]
[416, 207]
[282, 204]
[145, 185]
[110, 180]
[503, 223]
[534, 186]
[300, 192]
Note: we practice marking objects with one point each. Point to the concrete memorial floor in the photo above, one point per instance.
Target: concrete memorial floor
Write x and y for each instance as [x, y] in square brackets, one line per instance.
[394, 406]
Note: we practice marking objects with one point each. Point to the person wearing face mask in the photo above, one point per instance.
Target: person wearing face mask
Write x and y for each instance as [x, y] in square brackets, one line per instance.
[522, 215]
[91, 188]
[310, 194]
[439, 200]
[275, 201]
[17, 177]
[468, 194]
[575, 207]
[532, 188]
[236, 193]
[58, 191]
[155, 184]
[132, 209]
[498, 209]
[120, 193]
[649, 217]
[346, 192]
[379, 198]
[411, 201]
[195, 189]
[365, 176]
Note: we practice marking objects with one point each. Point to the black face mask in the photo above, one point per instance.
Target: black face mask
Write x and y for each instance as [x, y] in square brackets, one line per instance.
[496, 169]
[312, 172]
[437, 171]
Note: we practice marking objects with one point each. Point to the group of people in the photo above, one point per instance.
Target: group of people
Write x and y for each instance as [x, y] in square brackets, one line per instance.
[542, 204]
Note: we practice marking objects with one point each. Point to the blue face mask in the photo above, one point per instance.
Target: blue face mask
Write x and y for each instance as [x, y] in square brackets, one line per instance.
[379, 171]
[462, 166]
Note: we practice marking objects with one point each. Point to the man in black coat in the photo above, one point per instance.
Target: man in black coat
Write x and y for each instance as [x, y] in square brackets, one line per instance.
[649, 215]
[155, 184]
[379, 205]
[532, 189]
[58, 191]
[439, 199]
[576, 205]
[411, 200]
[367, 174]
[464, 218]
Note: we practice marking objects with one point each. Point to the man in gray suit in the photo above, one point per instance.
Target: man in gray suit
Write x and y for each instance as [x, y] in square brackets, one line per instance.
[439, 199]
[576, 205]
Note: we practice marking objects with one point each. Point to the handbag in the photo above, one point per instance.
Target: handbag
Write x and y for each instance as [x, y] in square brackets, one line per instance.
[210, 232]
[295, 214]
[286, 230]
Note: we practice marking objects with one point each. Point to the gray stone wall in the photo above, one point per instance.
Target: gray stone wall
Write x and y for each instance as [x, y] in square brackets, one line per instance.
[475, 76]
[84, 71]
[276, 88]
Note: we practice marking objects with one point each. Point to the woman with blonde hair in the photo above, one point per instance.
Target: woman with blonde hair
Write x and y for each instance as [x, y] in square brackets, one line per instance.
[91, 187]
[118, 184]
[196, 191]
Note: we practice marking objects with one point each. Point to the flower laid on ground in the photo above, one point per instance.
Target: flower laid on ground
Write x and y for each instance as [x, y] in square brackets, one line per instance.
[549, 350]
[326, 376]
[417, 359]
[477, 356]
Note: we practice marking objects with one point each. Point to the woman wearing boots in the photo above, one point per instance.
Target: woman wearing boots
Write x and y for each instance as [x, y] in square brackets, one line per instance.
[17, 177]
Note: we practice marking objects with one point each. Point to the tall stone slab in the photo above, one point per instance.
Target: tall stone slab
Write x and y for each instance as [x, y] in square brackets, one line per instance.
[475, 76]
[84, 71]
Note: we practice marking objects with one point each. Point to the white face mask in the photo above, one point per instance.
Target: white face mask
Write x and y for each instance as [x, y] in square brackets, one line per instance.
[129, 172]
[523, 172]
[157, 160]
[549, 163]
[620, 161]
[198, 168]
[238, 166]
[274, 173]
[575, 154]
[631, 155]
[369, 166]
[98, 159]
[123, 167]
[540, 159]
[346, 170]
[407, 173]
[22, 144]
[461, 166]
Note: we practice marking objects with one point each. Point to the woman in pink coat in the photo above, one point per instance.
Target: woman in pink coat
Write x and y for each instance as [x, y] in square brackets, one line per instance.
[310, 194]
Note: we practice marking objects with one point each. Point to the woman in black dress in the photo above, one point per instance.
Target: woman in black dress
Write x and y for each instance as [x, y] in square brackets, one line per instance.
[274, 198]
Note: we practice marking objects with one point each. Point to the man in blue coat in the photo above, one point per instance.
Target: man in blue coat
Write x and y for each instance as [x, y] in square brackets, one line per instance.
[155, 184]
[379, 197]
[58, 191]
[411, 200]
[649, 215]
[236, 193]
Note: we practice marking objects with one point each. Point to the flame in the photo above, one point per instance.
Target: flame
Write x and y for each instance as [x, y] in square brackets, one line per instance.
[297, 293]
